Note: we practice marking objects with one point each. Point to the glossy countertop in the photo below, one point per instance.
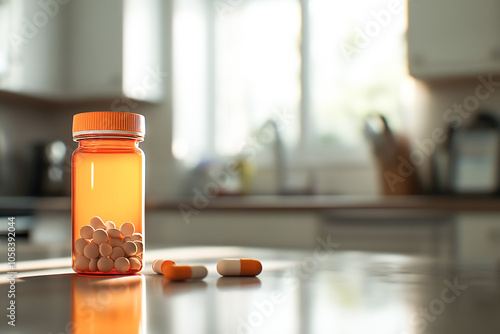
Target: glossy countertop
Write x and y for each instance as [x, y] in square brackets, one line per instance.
[325, 290]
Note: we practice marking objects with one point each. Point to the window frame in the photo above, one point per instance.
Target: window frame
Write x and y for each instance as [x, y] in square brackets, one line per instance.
[306, 149]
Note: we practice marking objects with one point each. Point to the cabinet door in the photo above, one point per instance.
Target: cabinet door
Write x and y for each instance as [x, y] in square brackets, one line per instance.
[277, 229]
[94, 49]
[478, 237]
[75, 50]
[64, 51]
[451, 38]
[393, 231]
[33, 60]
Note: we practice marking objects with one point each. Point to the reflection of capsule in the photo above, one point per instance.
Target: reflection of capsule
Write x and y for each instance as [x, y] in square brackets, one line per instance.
[239, 267]
[238, 283]
[180, 273]
[96, 300]
[171, 288]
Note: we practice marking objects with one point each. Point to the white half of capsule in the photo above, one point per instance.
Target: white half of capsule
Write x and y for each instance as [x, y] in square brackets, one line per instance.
[229, 267]
[199, 271]
[157, 266]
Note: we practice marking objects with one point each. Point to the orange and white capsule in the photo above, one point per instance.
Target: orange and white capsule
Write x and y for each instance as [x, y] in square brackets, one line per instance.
[180, 273]
[239, 267]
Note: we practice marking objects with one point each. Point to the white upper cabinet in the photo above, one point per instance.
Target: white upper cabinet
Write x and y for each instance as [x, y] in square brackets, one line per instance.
[94, 48]
[33, 61]
[453, 38]
[76, 50]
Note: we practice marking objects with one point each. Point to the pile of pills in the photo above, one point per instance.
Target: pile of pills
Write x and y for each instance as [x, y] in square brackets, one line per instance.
[225, 267]
[103, 247]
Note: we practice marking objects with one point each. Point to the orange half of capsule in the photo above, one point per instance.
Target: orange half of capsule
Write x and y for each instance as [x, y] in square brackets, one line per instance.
[180, 273]
[165, 264]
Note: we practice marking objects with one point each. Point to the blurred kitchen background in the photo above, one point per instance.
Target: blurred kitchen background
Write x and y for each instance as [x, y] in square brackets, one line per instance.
[269, 122]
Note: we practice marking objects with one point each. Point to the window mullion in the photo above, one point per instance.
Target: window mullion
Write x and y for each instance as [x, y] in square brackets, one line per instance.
[306, 122]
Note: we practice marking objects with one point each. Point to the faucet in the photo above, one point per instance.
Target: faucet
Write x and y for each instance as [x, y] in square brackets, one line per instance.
[280, 158]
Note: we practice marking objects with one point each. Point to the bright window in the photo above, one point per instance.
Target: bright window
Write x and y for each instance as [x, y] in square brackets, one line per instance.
[357, 57]
[257, 62]
[4, 36]
[327, 64]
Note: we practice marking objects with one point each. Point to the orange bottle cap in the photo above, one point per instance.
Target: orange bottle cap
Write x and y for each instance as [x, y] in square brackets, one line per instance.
[108, 123]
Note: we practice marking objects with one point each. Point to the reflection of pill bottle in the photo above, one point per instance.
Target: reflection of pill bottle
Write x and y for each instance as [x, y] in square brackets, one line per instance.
[107, 181]
[108, 305]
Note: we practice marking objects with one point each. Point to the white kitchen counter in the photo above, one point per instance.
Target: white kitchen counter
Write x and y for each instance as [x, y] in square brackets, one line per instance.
[328, 291]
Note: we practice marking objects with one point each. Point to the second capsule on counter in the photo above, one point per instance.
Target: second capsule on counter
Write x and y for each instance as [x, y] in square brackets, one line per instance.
[239, 267]
[179, 273]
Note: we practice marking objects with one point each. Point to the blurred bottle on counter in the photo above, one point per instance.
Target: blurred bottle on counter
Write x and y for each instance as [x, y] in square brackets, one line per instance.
[221, 178]
[245, 176]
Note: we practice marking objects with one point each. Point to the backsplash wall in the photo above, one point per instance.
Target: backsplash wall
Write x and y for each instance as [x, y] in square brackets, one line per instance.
[430, 106]
[22, 126]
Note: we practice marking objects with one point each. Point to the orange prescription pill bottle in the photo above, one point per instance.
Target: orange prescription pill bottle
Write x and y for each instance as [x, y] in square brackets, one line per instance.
[107, 193]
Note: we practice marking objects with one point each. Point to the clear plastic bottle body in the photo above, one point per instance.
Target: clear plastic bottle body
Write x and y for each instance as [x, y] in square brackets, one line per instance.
[107, 181]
